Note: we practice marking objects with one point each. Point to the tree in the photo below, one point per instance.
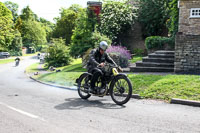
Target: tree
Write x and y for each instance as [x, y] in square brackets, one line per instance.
[152, 15]
[33, 34]
[13, 7]
[116, 18]
[48, 27]
[66, 23]
[6, 31]
[27, 14]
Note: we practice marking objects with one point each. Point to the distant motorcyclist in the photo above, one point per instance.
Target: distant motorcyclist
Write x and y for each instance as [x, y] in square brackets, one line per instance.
[17, 60]
[96, 61]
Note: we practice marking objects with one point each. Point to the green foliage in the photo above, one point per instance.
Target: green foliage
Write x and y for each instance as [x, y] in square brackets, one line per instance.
[48, 27]
[116, 18]
[6, 30]
[27, 14]
[32, 31]
[87, 41]
[138, 51]
[3, 49]
[13, 7]
[153, 14]
[157, 42]
[58, 54]
[174, 16]
[66, 23]
[84, 36]
[16, 48]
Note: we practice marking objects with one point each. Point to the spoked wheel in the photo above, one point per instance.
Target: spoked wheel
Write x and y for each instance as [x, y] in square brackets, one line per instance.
[83, 86]
[121, 90]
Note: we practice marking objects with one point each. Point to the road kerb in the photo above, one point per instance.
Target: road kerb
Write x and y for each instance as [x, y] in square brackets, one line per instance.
[185, 102]
[54, 85]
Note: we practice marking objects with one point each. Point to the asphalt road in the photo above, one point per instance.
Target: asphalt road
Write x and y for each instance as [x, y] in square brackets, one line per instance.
[27, 106]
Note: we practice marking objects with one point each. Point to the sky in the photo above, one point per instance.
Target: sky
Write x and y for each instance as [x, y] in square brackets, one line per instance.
[47, 9]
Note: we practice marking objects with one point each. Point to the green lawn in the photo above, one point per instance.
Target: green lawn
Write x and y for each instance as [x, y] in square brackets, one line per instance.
[4, 61]
[148, 86]
[135, 59]
[67, 76]
[167, 87]
[32, 68]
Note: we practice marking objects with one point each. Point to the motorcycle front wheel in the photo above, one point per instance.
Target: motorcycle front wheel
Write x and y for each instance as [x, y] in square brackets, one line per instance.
[83, 86]
[121, 90]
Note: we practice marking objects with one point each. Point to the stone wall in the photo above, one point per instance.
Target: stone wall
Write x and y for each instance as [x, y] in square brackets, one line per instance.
[133, 38]
[188, 25]
[187, 55]
[187, 48]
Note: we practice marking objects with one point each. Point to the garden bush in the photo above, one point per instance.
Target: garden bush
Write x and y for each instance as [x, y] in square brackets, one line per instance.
[158, 42]
[57, 54]
[116, 18]
[120, 55]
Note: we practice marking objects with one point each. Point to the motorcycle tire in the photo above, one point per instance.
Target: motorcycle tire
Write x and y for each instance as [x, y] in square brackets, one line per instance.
[82, 84]
[117, 89]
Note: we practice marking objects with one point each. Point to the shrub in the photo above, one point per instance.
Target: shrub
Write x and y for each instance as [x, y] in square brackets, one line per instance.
[58, 54]
[80, 45]
[15, 53]
[138, 51]
[116, 18]
[120, 55]
[158, 42]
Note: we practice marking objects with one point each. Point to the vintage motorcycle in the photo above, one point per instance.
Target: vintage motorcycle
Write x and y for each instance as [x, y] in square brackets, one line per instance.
[112, 83]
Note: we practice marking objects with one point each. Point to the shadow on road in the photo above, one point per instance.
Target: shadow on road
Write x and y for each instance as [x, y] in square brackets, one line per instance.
[78, 103]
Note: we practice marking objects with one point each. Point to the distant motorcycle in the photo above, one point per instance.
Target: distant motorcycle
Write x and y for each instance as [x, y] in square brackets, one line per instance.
[116, 84]
[17, 61]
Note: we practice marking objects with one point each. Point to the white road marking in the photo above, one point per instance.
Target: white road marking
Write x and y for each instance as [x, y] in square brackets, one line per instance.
[23, 112]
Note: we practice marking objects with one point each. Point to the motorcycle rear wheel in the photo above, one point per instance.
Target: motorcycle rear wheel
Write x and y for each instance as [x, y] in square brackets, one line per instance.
[121, 90]
[83, 86]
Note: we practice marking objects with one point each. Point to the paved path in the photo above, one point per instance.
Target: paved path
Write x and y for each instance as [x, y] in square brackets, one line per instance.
[27, 106]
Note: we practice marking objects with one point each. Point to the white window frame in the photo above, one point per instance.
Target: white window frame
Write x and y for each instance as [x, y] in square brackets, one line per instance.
[195, 13]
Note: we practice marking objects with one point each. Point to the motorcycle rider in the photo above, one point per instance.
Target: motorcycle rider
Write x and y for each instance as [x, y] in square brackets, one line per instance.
[97, 61]
[17, 59]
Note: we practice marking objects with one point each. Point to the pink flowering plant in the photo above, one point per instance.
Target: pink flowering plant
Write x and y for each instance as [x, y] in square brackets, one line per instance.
[120, 55]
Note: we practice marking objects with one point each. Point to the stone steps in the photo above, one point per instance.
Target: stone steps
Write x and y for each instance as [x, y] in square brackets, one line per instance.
[151, 69]
[154, 55]
[153, 64]
[164, 52]
[160, 61]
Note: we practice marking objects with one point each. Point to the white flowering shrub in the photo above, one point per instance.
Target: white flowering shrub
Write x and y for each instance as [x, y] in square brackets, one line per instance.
[116, 17]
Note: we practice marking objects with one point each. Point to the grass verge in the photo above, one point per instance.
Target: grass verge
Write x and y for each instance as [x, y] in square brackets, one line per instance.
[148, 86]
[167, 87]
[4, 61]
[67, 76]
[32, 68]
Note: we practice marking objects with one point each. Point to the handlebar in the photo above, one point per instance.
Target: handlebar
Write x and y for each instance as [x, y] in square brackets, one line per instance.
[111, 65]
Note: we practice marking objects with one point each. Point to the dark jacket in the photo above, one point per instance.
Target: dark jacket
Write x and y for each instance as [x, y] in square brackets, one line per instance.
[96, 58]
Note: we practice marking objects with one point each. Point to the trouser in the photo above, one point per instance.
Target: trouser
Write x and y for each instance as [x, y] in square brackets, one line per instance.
[96, 74]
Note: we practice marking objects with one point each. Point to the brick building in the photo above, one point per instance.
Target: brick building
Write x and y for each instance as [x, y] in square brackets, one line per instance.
[187, 49]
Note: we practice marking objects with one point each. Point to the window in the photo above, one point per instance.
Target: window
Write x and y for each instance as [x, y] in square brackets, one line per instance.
[195, 13]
